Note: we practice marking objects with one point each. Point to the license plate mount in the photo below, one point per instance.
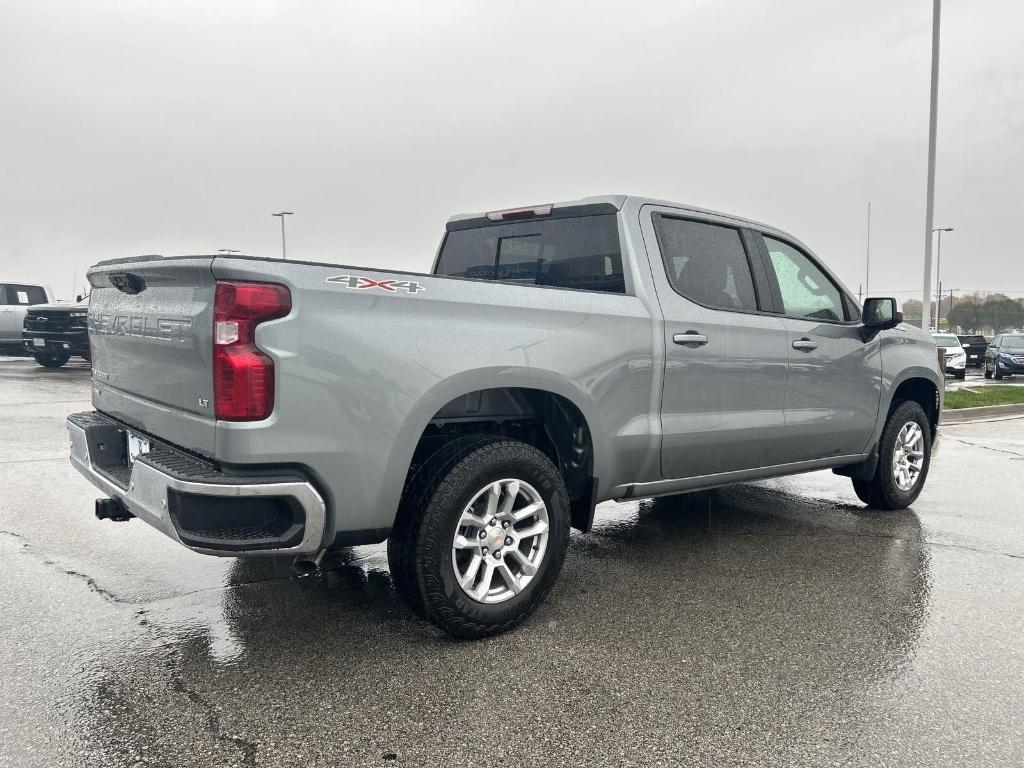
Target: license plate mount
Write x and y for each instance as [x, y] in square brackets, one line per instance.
[137, 446]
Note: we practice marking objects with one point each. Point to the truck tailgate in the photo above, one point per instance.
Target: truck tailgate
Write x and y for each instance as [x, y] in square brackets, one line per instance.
[151, 334]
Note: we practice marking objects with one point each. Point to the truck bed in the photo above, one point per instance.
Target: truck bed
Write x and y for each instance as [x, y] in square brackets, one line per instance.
[363, 365]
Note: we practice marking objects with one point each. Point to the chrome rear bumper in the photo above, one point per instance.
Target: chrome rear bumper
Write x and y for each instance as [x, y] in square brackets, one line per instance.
[154, 485]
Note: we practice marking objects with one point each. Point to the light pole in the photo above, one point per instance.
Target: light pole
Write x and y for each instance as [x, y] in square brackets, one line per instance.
[228, 251]
[281, 215]
[867, 260]
[933, 114]
[938, 276]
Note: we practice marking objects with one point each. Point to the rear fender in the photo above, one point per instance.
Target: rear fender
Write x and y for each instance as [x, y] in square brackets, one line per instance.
[462, 384]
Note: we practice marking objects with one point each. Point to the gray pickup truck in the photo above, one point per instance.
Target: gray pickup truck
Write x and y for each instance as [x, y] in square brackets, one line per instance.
[556, 356]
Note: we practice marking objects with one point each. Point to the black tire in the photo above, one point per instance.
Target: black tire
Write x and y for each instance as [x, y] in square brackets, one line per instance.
[996, 373]
[419, 550]
[51, 359]
[438, 464]
[881, 491]
[961, 375]
[988, 373]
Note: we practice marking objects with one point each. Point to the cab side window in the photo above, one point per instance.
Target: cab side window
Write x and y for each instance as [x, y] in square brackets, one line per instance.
[582, 253]
[707, 263]
[806, 291]
[25, 295]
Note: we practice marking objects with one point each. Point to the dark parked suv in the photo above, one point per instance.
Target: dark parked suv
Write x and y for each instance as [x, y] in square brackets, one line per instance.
[1005, 356]
[975, 347]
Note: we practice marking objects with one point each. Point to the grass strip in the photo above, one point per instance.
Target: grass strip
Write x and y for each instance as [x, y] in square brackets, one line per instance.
[995, 394]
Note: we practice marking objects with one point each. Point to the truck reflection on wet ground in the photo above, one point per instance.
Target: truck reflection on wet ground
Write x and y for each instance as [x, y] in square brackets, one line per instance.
[729, 614]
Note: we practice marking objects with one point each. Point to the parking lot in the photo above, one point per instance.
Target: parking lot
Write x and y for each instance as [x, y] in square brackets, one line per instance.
[777, 623]
[975, 377]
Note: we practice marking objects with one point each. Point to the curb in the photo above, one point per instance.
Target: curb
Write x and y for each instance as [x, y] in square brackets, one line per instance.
[965, 415]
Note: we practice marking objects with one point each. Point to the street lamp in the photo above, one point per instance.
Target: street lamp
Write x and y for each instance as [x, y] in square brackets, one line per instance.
[867, 260]
[938, 277]
[933, 115]
[228, 251]
[281, 215]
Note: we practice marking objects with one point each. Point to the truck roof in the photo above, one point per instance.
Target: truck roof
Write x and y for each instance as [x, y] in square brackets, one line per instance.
[596, 204]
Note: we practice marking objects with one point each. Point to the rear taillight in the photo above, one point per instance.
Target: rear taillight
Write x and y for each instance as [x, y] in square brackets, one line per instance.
[243, 377]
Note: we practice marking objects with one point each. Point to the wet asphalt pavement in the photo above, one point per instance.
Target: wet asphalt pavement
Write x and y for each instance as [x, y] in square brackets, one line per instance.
[777, 623]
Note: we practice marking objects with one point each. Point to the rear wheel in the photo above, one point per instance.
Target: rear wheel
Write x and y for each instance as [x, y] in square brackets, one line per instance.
[480, 537]
[904, 455]
[52, 359]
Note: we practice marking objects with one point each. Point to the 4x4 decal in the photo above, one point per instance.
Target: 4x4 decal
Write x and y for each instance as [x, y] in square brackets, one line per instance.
[357, 281]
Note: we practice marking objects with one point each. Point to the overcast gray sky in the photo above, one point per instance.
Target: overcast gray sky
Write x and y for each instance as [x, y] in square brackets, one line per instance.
[178, 127]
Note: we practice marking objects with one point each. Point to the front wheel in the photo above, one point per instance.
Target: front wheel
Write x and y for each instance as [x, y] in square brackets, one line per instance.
[481, 536]
[904, 455]
[996, 373]
[988, 373]
[51, 359]
[961, 375]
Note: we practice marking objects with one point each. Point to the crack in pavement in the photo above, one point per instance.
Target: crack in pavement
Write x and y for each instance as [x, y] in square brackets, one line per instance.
[246, 748]
[28, 548]
[213, 723]
[986, 447]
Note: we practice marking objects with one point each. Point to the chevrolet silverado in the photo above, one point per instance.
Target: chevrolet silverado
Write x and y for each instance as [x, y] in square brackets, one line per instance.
[556, 356]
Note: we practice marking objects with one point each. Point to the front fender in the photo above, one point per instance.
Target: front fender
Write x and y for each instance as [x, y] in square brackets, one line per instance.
[907, 353]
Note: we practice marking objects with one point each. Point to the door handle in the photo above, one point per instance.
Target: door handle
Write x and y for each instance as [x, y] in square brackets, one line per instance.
[805, 345]
[690, 338]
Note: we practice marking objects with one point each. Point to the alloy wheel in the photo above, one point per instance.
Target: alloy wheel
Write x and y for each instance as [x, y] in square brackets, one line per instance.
[908, 456]
[500, 541]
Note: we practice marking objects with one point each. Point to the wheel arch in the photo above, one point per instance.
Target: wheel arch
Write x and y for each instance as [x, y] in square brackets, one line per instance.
[921, 389]
[544, 410]
[918, 384]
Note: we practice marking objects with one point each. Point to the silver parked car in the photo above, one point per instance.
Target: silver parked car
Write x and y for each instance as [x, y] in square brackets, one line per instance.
[15, 299]
[956, 357]
[556, 356]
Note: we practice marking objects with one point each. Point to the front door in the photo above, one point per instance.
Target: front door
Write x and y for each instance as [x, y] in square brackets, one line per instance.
[726, 358]
[834, 389]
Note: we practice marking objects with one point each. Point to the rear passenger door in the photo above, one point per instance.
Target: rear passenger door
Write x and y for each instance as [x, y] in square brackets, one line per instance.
[832, 397]
[726, 357]
[16, 301]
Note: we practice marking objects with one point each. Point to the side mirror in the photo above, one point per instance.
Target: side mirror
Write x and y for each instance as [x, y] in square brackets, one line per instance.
[880, 314]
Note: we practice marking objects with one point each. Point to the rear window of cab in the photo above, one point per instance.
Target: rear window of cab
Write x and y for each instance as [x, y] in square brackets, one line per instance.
[581, 253]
